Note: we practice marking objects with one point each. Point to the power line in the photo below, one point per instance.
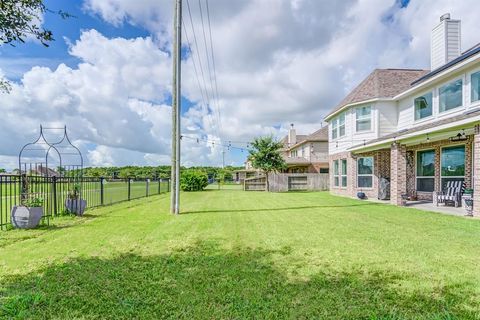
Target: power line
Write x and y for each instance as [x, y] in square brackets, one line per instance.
[215, 100]
[214, 143]
[200, 63]
[214, 65]
[196, 74]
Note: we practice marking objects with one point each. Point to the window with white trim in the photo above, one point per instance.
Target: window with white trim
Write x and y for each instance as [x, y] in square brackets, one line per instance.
[363, 118]
[423, 106]
[335, 173]
[334, 129]
[452, 164]
[341, 125]
[338, 126]
[344, 172]
[475, 86]
[293, 153]
[365, 172]
[426, 170]
[450, 95]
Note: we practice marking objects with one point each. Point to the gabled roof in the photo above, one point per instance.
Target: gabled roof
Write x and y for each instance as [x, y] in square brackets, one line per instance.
[319, 135]
[381, 83]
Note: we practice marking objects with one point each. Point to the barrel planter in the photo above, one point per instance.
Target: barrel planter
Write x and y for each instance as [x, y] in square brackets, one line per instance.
[26, 217]
[76, 206]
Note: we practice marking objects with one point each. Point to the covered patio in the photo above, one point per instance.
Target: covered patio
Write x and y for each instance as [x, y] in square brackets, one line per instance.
[419, 164]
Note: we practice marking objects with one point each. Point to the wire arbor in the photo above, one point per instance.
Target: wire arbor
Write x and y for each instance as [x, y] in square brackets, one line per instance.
[49, 163]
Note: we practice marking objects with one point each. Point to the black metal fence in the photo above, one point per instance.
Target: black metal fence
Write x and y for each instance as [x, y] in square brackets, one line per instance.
[54, 192]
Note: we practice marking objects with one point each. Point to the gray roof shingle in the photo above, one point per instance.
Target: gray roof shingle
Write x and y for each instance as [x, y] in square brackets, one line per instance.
[381, 83]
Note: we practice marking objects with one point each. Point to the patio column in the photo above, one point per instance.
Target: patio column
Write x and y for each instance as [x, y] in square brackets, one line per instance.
[398, 173]
[476, 172]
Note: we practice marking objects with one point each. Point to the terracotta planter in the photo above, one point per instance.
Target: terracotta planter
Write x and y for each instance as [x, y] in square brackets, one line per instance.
[76, 206]
[26, 217]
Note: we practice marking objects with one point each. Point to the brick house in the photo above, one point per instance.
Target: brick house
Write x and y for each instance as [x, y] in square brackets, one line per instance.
[417, 129]
[306, 153]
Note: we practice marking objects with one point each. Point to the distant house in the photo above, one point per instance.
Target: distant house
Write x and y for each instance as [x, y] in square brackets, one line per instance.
[44, 171]
[306, 153]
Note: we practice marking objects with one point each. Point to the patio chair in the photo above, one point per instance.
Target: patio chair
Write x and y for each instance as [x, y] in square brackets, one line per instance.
[451, 194]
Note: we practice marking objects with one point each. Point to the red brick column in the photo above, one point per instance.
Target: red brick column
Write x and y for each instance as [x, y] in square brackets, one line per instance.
[476, 172]
[398, 173]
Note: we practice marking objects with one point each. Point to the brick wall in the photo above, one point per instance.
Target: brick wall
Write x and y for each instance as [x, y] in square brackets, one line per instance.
[398, 171]
[437, 146]
[476, 173]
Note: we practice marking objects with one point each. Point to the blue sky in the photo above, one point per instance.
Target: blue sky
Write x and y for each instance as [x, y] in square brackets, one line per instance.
[108, 75]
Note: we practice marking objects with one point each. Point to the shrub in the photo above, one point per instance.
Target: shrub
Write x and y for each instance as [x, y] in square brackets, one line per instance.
[193, 180]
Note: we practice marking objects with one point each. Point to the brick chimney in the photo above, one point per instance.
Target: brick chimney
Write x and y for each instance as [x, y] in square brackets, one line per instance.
[445, 41]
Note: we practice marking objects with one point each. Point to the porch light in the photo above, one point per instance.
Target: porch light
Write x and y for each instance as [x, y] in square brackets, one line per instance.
[458, 137]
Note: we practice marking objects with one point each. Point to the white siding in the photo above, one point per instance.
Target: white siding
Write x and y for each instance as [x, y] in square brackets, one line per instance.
[352, 137]
[445, 42]
[388, 117]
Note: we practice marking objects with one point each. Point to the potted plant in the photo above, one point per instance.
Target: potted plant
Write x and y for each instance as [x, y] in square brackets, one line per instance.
[27, 215]
[73, 203]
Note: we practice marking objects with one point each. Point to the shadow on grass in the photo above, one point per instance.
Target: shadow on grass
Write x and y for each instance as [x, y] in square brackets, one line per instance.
[284, 209]
[205, 281]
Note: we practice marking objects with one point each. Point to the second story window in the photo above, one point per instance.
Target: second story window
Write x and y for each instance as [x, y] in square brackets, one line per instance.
[475, 87]
[341, 125]
[293, 153]
[450, 95]
[364, 118]
[338, 126]
[423, 106]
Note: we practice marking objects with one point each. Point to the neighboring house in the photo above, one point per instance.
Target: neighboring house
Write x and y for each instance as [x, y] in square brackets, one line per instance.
[40, 170]
[306, 153]
[417, 128]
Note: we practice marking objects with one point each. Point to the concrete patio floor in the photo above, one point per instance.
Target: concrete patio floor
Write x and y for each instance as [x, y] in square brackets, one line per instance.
[429, 206]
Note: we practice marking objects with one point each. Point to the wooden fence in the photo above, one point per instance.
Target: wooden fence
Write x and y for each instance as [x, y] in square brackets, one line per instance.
[282, 182]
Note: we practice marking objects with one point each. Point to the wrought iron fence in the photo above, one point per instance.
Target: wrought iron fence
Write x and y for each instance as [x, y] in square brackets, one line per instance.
[54, 192]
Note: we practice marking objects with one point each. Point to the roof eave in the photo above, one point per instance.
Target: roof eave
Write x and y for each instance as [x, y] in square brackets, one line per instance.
[349, 105]
[444, 73]
[378, 144]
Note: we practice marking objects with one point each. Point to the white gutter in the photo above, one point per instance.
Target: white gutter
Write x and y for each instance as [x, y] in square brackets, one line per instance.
[439, 76]
[417, 133]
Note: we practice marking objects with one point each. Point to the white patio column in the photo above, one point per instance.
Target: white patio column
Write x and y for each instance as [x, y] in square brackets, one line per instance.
[398, 173]
[476, 172]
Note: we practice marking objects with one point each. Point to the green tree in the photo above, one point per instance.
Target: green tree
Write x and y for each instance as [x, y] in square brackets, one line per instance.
[2, 170]
[19, 19]
[265, 156]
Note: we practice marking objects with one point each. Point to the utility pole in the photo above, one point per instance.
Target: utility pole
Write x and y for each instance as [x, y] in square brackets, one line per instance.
[223, 158]
[176, 108]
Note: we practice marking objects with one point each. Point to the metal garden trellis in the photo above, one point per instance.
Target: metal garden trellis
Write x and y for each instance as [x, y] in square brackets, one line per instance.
[49, 161]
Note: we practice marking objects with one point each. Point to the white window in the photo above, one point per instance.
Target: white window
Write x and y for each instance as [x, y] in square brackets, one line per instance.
[365, 172]
[364, 118]
[450, 95]
[426, 170]
[338, 126]
[344, 172]
[293, 153]
[475, 87]
[335, 173]
[341, 125]
[452, 164]
[334, 129]
[423, 106]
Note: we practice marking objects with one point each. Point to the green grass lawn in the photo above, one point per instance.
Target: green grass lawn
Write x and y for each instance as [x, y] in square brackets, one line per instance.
[236, 255]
